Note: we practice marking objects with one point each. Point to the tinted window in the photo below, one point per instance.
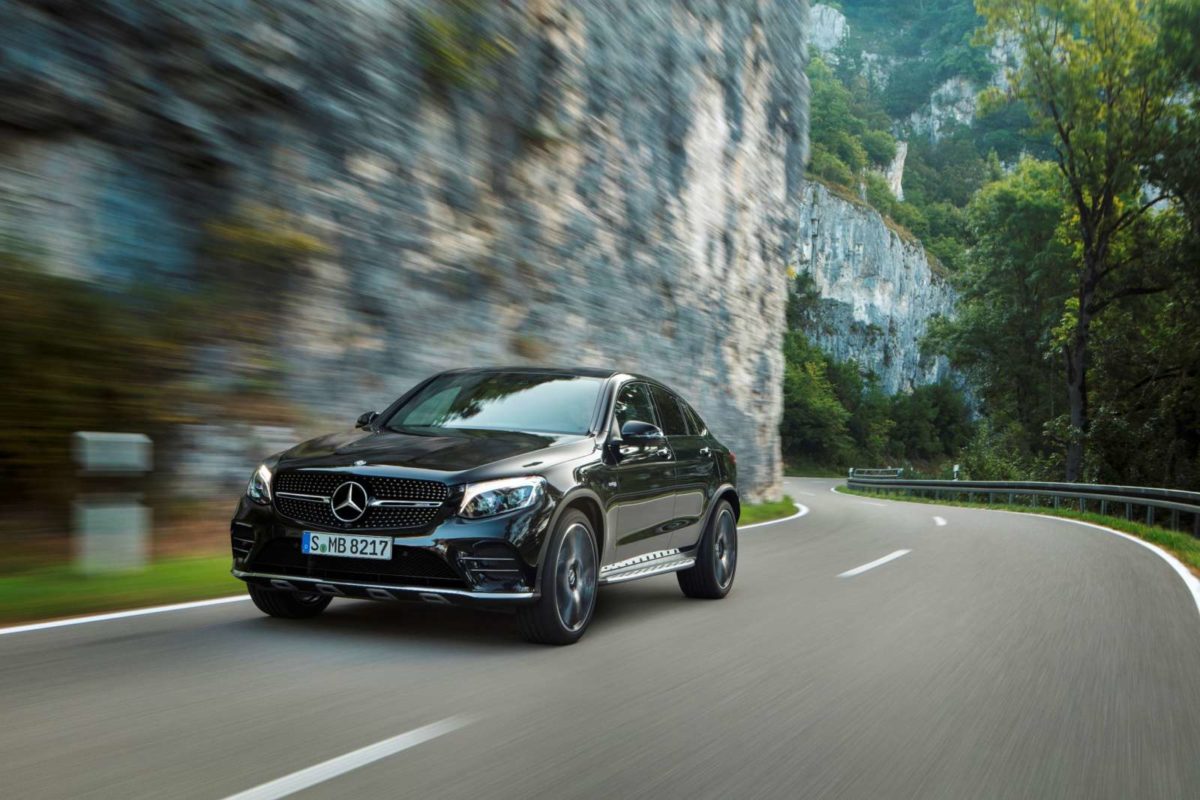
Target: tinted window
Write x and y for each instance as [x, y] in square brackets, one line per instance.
[673, 423]
[634, 404]
[511, 401]
[695, 424]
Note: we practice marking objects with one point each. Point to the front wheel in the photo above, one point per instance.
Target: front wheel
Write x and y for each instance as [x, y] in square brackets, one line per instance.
[287, 605]
[716, 557]
[569, 577]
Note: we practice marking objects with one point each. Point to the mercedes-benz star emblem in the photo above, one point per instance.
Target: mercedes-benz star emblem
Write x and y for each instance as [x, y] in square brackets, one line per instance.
[349, 501]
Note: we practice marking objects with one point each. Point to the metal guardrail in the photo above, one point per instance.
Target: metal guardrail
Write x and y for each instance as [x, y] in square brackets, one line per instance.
[1088, 496]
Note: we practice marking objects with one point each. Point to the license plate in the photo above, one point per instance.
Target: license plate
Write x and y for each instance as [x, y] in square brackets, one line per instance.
[315, 543]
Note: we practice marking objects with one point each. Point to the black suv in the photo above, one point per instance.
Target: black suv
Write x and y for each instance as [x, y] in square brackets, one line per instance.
[503, 487]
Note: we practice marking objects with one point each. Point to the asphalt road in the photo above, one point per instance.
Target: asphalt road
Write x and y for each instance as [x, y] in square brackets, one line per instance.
[1001, 656]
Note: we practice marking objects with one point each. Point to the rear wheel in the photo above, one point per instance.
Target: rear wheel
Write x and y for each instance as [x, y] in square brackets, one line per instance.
[288, 605]
[716, 557]
[569, 576]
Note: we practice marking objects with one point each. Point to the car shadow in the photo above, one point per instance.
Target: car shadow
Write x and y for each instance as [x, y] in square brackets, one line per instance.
[421, 623]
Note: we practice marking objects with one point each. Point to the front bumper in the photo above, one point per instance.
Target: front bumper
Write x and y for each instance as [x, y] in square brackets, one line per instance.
[451, 561]
[377, 591]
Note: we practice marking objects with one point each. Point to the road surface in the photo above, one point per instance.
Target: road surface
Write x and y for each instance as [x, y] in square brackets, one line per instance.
[869, 649]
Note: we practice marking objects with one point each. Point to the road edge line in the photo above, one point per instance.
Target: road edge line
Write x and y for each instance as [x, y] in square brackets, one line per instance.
[110, 615]
[801, 510]
[1189, 580]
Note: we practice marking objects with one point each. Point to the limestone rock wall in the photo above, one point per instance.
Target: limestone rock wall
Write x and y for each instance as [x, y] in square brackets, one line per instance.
[617, 183]
[878, 291]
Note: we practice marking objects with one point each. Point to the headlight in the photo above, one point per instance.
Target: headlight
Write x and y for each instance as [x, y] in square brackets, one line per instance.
[259, 488]
[496, 497]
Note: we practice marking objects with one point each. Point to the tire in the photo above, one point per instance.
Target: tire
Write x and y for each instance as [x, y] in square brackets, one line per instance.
[288, 605]
[716, 557]
[568, 577]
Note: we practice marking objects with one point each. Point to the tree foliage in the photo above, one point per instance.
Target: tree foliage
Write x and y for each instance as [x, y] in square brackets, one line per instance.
[1095, 80]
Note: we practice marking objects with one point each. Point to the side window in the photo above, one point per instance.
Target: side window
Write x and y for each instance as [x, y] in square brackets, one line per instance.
[673, 423]
[695, 424]
[633, 403]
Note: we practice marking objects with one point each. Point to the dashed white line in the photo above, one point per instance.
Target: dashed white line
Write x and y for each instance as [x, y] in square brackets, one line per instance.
[939, 521]
[135, 612]
[850, 573]
[305, 778]
[801, 510]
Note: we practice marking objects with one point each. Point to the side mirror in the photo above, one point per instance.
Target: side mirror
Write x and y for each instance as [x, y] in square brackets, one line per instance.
[366, 419]
[641, 433]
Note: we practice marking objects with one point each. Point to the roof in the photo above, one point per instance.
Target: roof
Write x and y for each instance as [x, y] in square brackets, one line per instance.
[582, 372]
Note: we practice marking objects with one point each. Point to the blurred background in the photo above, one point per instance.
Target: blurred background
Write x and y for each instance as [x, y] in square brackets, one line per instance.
[230, 226]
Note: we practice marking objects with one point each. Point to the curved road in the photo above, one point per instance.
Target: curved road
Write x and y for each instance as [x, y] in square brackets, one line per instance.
[1001, 656]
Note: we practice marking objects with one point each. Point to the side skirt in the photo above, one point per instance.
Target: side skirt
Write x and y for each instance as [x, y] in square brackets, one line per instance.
[643, 566]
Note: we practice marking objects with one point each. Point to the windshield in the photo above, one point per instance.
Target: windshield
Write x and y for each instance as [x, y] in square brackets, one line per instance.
[508, 401]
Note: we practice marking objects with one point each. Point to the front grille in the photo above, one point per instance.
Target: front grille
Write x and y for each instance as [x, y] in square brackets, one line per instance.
[322, 483]
[408, 565]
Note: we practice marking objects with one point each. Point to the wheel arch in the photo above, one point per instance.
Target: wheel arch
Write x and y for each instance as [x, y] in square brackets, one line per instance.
[586, 501]
[730, 494]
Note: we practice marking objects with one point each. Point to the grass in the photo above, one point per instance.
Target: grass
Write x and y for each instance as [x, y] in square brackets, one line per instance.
[765, 512]
[1182, 545]
[51, 592]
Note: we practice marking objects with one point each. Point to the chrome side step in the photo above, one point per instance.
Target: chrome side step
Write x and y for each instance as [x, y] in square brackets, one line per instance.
[657, 563]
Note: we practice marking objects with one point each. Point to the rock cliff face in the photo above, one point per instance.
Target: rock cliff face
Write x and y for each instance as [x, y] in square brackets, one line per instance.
[878, 291]
[602, 183]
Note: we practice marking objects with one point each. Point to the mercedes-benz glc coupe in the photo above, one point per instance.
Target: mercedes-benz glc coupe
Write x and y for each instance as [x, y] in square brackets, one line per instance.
[526, 488]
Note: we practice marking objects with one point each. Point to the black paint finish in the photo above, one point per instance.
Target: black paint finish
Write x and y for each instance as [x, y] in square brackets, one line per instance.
[645, 493]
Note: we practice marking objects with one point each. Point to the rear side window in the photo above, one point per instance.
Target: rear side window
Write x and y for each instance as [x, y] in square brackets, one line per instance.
[695, 424]
[673, 423]
[634, 404]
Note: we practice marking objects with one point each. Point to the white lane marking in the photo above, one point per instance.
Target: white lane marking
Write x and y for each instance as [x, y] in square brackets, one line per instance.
[1190, 580]
[939, 521]
[850, 573]
[135, 612]
[806, 494]
[801, 510]
[305, 778]
[834, 489]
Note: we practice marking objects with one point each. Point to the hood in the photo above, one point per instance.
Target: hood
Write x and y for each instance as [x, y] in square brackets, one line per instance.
[446, 451]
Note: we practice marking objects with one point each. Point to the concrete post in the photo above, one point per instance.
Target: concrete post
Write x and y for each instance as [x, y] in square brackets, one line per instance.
[111, 524]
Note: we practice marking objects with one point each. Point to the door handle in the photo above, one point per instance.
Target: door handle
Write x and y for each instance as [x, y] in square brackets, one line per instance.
[665, 452]
[706, 451]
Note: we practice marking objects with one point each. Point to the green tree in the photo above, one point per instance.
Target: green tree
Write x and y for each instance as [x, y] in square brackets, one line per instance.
[1012, 290]
[1094, 78]
[815, 423]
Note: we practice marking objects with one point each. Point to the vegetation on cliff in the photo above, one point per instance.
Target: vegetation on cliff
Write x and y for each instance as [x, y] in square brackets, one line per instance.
[1068, 214]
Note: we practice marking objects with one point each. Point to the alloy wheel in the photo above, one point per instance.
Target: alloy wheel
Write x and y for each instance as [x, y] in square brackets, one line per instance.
[575, 577]
[725, 548]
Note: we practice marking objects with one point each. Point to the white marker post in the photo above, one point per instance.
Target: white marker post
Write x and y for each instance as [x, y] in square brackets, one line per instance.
[112, 527]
